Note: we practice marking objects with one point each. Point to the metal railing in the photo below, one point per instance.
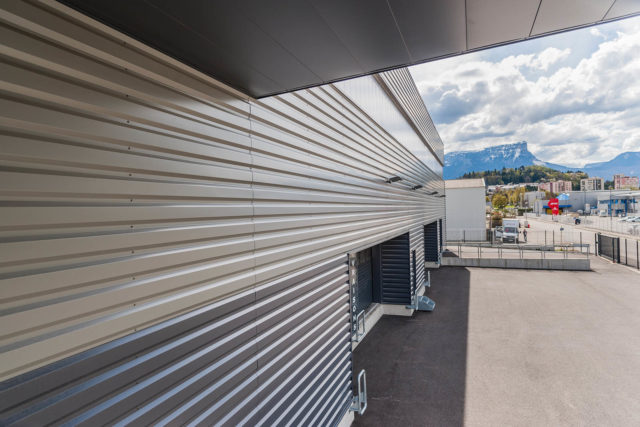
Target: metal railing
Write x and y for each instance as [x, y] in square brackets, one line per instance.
[607, 223]
[529, 251]
[619, 249]
[531, 237]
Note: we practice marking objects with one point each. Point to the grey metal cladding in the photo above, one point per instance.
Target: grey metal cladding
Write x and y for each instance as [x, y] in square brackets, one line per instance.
[215, 364]
[400, 83]
[416, 240]
[395, 274]
[168, 245]
[364, 280]
[269, 47]
[431, 242]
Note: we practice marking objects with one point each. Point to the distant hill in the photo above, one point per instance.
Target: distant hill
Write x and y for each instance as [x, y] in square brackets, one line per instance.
[526, 174]
[457, 163]
[627, 163]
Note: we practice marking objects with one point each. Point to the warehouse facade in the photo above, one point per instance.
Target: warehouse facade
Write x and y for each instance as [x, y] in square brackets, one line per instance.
[174, 251]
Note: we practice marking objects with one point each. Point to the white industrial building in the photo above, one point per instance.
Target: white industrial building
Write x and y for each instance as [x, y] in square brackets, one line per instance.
[465, 209]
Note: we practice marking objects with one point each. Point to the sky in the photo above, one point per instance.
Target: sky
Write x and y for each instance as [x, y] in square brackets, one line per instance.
[574, 97]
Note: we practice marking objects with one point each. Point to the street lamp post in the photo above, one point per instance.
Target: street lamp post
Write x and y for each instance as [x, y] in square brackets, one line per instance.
[610, 212]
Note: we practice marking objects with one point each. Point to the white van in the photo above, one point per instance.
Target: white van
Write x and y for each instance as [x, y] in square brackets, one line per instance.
[510, 231]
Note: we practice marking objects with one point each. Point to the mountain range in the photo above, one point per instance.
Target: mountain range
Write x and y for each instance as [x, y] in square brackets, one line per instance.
[457, 163]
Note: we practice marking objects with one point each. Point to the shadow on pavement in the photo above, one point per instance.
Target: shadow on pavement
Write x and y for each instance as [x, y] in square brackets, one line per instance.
[416, 366]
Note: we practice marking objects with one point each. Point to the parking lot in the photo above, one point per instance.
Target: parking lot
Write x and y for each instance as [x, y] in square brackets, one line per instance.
[510, 347]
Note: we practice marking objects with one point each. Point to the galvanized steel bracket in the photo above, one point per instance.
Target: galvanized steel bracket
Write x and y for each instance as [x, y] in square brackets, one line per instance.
[360, 320]
[425, 303]
[359, 401]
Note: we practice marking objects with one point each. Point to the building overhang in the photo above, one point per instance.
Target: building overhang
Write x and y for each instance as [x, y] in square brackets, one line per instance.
[265, 47]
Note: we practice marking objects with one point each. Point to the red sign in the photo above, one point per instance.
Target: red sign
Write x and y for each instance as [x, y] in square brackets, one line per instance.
[554, 204]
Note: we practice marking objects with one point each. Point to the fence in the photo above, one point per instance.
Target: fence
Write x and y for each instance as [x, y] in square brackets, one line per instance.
[609, 247]
[526, 251]
[613, 224]
[627, 250]
[619, 249]
[576, 239]
[467, 234]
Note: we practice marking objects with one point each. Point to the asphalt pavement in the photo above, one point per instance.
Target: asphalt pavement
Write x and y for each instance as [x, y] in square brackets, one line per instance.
[510, 348]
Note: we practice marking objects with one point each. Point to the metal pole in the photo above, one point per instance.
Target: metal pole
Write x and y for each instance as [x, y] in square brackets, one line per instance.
[545, 237]
[626, 254]
[581, 242]
[553, 236]
[637, 256]
[464, 236]
[610, 212]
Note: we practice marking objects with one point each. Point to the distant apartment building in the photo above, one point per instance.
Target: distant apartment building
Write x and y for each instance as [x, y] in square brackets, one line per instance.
[531, 196]
[590, 184]
[556, 186]
[622, 182]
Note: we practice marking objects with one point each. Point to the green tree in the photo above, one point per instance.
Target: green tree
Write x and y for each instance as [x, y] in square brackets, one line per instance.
[499, 201]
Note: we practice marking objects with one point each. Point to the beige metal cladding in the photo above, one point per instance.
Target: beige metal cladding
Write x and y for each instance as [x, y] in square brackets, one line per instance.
[134, 189]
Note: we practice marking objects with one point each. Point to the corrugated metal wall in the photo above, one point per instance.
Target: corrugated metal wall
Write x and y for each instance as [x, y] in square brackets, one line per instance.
[408, 97]
[135, 190]
[395, 271]
[364, 280]
[275, 354]
[416, 238]
[431, 238]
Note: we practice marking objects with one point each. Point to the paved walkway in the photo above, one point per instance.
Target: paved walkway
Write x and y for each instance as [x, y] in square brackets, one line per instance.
[510, 348]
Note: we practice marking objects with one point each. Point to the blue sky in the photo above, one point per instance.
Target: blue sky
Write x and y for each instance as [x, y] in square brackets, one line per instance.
[574, 97]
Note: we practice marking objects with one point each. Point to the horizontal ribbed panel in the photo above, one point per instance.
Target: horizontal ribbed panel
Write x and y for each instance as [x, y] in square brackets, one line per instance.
[277, 353]
[403, 87]
[135, 190]
[416, 239]
[431, 242]
[395, 271]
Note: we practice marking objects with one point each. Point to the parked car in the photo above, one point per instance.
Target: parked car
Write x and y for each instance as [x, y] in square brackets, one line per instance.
[498, 232]
[630, 219]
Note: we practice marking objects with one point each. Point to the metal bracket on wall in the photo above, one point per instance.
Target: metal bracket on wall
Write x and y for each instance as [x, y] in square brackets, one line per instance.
[359, 401]
[359, 334]
[422, 302]
[425, 303]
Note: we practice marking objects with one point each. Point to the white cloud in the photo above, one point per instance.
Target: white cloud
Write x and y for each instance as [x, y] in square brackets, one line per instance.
[549, 57]
[569, 114]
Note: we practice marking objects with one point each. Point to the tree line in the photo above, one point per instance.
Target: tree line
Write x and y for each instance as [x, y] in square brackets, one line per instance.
[527, 174]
